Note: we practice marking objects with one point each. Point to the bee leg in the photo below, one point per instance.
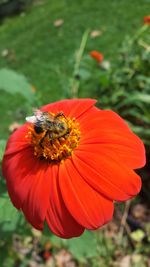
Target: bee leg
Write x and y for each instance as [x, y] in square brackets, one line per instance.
[60, 114]
[67, 133]
[40, 143]
[42, 139]
[51, 138]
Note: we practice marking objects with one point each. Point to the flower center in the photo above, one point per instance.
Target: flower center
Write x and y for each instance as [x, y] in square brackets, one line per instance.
[53, 136]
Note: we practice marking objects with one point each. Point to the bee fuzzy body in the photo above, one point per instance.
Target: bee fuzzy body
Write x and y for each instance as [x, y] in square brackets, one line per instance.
[54, 126]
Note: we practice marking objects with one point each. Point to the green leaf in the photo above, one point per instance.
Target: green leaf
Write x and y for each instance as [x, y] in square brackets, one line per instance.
[137, 235]
[85, 74]
[2, 148]
[143, 97]
[84, 246]
[81, 247]
[9, 216]
[13, 83]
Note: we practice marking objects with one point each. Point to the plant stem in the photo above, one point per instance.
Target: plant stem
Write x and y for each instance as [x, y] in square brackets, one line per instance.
[75, 81]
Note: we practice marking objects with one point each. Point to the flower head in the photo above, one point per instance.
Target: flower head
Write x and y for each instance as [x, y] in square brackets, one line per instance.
[147, 20]
[97, 56]
[69, 163]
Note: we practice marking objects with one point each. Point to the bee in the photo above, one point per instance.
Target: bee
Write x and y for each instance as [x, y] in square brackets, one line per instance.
[53, 125]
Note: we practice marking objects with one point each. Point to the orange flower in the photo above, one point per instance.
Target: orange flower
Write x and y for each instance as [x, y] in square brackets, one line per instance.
[147, 20]
[97, 56]
[69, 163]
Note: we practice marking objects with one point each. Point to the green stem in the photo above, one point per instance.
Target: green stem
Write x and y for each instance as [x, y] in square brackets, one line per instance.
[138, 34]
[75, 82]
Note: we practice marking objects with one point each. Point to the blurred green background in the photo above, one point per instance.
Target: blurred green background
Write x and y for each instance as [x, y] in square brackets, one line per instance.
[45, 56]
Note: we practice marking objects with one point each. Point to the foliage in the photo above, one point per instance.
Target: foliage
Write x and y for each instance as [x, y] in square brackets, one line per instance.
[9, 217]
[12, 83]
[82, 247]
[125, 86]
[2, 148]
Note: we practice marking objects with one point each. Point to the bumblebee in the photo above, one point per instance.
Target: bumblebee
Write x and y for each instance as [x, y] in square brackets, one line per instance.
[53, 125]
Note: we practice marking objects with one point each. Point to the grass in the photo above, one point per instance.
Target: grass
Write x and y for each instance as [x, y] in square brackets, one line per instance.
[45, 53]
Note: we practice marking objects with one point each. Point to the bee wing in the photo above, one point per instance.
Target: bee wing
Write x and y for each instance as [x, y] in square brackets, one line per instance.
[31, 119]
[38, 113]
[38, 117]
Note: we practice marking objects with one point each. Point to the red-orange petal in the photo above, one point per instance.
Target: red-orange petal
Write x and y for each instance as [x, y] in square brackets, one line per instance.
[58, 217]
[72, 108]
[109, 129]
[147, 20]
[27, 185]
[86, 205]
[106, 173]
[18, 140]
[81, 194]
[97, 56]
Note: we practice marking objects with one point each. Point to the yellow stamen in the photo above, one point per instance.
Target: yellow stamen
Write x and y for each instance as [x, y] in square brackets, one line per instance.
[55, 147]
